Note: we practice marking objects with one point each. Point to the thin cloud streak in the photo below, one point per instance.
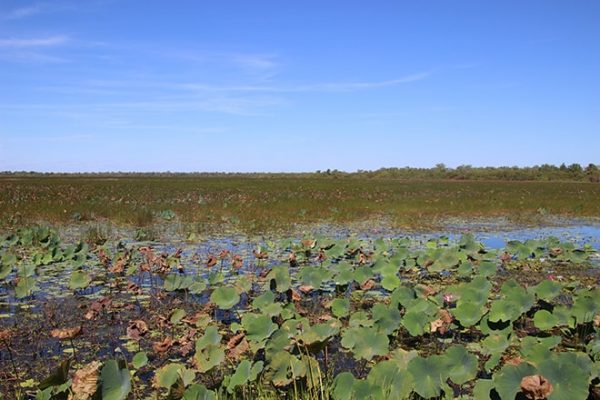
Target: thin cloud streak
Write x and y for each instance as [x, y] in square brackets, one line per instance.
[316, 87]
[35, 42]
[22, 12]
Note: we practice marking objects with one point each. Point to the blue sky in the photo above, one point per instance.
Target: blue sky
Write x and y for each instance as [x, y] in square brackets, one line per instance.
[297, 85]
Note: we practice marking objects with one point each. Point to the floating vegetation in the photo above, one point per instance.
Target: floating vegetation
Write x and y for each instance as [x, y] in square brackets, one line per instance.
[349, 318]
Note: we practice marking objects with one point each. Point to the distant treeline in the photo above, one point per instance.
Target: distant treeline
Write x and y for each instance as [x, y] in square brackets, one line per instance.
[544, 172]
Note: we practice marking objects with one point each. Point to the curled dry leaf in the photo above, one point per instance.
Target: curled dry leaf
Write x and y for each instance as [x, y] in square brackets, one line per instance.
[5, 334]
[325, 317]
[211, 261]
[513, 360]
[442, 324]
[308, 243]
[536, 387]
[118, 267]
[66, 333]
[292, 259]
[427, 290]
[368, 284]
[237, 346]
[505, 257]
[305, 288]
[261, 255]
[164, 345]
[133, 288]
[136, 329]
[296, 296]
[224, 254]
[186, 343]
[85, 382]
[237, 262]
[321, 256]
[597, 320]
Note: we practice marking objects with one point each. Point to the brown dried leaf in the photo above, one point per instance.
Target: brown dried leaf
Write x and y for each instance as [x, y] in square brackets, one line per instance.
[536, 387]
[85, 382]
[237, 262]
[237, 346]
[305, 288]
[118, 266]
[211, 261]
[163, 346]
[224, 254]
[5, 334]
[136, 329]
[66, 333]
[295, 295]
[368, 284]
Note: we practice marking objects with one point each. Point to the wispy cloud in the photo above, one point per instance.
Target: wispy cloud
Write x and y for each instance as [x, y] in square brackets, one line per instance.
[49, 41]
[23, 12]
[309, 87]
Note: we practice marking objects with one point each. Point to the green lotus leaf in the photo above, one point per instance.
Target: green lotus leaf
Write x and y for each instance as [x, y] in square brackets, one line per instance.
[495, 344]
[244, 373]
[362, 274]
[225, 297]
[314, 276]
[283, 368]
[320, 333]
[281, 276]
[390, 282]
[139, 360]
[177, 315]
[216, 278]
[465, 269]
[387, 319]
[264, 300]
[544, 320]
[167, 375]
[198, 392]
[343, 273]
[483, 389]
[177, 282]
[535, 349]
[197, 287]
[461, 365]
[389, 382]
[585, 308]
[416, 323]
[79, 280]
[25, 287]
[402, 296]
[211, 336]
[402, 357]
[569, 374]
[507, 381]
[340, 307]
[258, 327]
[115, 380]
[360, 318]
[342, 386]
[516, 301]
[487, 268]
[428, 375]
[208, 357]
[547, 290]
[365, 343]
[468, 314]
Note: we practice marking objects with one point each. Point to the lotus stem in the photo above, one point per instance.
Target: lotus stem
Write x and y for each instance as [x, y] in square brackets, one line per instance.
[12, 360]
[74, 350]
